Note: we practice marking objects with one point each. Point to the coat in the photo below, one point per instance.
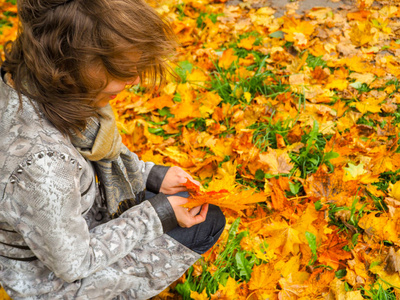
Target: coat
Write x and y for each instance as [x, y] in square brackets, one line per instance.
[56, 242]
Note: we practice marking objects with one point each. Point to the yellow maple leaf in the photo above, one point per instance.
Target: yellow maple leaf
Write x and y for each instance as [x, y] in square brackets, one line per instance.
[264, 18]
[392, 279]
[222, 148]
[367, 78]
[175, 154]
[394, 190]
[150, 156]
[264, 280]
[209, 103]
[292, 287]
[297, 31]
[227, 59]
[284, 238]
[353, 171]
[196, 296]
[170, 88]
[247, 43]
[225, 178]
[354, 295]
[278, 161]
[362, 33]
[327, 127]
[340, 84]
[229, 290]
[198, 77]
[186, 109]
[288, 267]
[379, 227]
[247, 96]
[338, 289]
[369, 105]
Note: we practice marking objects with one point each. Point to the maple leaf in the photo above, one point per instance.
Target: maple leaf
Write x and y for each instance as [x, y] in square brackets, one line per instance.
[340, 108]
[331, 252]
[228, 57]
[394, 190]
[379, 227]
[353, 171]
[334, 56]
[3, 294]
[278, 161]
[392, 261]
[160, 102]
[284, 238]
[360, 15]
[328, 187]
[385, 161]
[339, 84]
[196, 296]
[228, 291]
[198, 77]
[393, 279]
[209, 103]
[247, 43]
[367, 78]
[369, 105]
[264, 280]
[237, 201]
[297, 31]
[291, 287]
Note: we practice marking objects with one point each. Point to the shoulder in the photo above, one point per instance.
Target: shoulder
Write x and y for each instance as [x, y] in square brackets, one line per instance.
[27, 138]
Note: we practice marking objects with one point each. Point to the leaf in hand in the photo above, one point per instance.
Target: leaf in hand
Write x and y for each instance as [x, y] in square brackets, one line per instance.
[236, 201]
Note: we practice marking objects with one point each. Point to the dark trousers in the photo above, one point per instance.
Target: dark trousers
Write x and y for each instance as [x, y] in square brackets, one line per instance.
[200, 237]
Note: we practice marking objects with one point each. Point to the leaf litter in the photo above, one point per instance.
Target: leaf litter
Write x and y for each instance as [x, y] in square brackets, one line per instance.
[291, 124]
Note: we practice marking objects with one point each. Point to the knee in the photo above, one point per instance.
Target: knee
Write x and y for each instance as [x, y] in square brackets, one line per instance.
[215, 214]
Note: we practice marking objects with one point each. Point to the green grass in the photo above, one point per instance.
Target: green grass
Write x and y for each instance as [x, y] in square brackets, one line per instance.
[352, 222]
[233, 262]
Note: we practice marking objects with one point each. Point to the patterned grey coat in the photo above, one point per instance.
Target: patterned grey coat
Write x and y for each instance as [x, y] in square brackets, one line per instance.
[54, 244]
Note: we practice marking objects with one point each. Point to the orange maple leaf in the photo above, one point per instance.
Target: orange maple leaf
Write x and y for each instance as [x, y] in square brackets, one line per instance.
[331, 253]
[228, 57]
[329, 187]
[223, 198]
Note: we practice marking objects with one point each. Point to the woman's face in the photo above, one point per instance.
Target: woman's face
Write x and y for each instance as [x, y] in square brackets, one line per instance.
[114, 86]
[111, 90]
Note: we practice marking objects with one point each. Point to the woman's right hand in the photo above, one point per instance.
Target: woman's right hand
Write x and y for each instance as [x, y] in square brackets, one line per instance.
[187, 217]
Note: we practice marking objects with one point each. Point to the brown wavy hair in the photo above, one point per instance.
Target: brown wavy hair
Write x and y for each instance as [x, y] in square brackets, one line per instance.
[59, 41]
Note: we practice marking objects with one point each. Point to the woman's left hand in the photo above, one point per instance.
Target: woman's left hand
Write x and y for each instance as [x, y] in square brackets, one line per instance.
[174, 180]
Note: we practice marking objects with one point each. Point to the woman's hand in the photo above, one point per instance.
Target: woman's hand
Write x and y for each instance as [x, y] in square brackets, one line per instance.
[187, 217]
[174, 180]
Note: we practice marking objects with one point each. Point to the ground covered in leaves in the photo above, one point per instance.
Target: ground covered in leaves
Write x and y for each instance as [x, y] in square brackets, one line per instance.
[292, 126]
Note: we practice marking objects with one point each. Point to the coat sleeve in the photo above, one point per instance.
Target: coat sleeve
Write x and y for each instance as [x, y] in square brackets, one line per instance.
[43, 204]
[153, 175]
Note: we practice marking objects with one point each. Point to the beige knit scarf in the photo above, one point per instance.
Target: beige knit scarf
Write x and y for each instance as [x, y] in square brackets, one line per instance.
[116, 167]
[108, 142]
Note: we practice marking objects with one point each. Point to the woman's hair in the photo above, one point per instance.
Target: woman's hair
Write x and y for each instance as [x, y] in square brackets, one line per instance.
[60, 41]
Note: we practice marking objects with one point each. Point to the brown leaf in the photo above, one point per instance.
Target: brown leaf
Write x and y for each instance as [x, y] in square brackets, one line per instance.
[392, 261]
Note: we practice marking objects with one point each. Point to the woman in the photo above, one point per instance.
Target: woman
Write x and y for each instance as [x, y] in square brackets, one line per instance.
[73, 220]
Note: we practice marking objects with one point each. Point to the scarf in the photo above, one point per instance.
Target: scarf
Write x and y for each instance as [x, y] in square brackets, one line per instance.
[117, 168]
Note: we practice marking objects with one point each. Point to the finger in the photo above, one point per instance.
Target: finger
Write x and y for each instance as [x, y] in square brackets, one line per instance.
[184, 177]
[195, 210]
[201, 217]
[178, 189]
[177, 201]
[195, 181]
